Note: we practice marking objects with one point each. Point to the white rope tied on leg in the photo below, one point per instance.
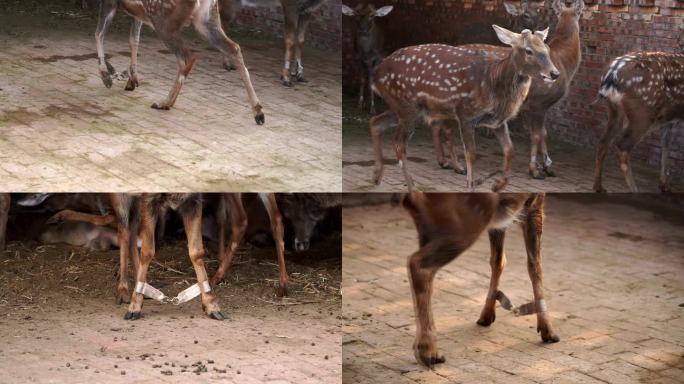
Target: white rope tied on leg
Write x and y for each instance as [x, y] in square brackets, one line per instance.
[191, 292]
[149, 291]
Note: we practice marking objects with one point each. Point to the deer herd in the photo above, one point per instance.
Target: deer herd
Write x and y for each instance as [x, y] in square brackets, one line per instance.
[133, 221]
[456, 89]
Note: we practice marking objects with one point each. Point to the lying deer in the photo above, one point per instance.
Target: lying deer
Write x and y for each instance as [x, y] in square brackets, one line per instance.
[458, 89]
[5, 200]
[644, 91]
[304, 211]
[297, 16]
[168, 18]
[369, 43]
[449, 224]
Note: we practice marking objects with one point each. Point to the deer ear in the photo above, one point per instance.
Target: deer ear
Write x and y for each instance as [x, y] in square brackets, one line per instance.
[505, 36]
[543, 34]
[347, 11]
[513, 9]
[383, 11]
[579, 7]
[558, 6]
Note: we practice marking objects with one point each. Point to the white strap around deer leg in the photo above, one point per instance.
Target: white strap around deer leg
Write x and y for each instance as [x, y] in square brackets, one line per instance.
[149, 291]
[191, 292]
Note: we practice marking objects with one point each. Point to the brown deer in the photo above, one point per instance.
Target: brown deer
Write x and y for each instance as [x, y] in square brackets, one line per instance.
[565, 54]
[449, 224]
[5, 201]
[644, 91]
[458, 89]
[168, 18]
[369, 43]
[297, 15]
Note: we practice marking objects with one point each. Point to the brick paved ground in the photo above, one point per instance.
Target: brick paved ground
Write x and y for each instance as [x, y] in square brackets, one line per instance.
[61, 129]
[613, 283]
[573, 165]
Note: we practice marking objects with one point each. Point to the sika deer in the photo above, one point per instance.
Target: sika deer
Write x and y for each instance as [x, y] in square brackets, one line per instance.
[644, 91]
[168, 18]
[448, 224]
[457, 88]
[369, 43]
[5, 201]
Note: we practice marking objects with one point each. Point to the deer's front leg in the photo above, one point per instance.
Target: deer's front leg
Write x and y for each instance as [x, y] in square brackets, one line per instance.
[378, 125]
[192, 221]
[148, 222]
[302, 24]
[290, 42]
[133, 42]
[107, 12]
[504, 138]
[497, 261]
[400, 147]
[276, 219]
[238, 222]
[468, 138]
[546, 160]
[532, 231]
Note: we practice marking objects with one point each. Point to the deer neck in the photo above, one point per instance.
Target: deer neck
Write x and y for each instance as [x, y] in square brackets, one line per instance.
[508, 88]
[565, 45]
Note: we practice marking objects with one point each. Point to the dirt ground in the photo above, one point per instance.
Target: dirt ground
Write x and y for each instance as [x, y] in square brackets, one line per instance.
[59, 322]
[60, 126]
[573, 165]
[613, 270]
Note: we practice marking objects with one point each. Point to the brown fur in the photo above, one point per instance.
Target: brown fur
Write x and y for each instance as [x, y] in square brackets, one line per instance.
[447, 225]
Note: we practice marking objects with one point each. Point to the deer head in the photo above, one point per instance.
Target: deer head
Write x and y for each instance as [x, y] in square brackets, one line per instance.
[530, 53]
[559, 7]
[366, 14]
[524, 16]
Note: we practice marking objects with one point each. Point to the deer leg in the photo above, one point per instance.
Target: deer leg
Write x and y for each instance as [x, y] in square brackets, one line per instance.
[504, 137]
[614, 126]
[290, 41]
[133, 42]
[4, 215]
[274, 215]
[534, 124]
[546, 160]
[185, 62]
[468, 138]
[148, 221]
[401, 137]
[238, 222]
[302, 25]
[532, 231]
[217, 38]
[362, 89]
[192, 221]
[107, 12]
[497, 261]
[436, 127]
[378, 125]
[69, 215]
[665, 173]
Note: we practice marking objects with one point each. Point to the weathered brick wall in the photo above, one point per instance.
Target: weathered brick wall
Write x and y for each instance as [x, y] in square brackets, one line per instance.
[609, 28]
[324, 30]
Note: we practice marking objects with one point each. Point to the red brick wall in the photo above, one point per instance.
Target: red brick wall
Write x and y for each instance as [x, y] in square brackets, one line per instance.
[324, 30]
[609, 28]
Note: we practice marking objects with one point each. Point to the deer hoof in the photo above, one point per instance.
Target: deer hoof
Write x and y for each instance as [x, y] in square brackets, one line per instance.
[377, 176]
[131, 84]
[428, 356]
[461, 171]
[549, 173]
[217, 315]
[486, 319]
[106, 79]
[444, 164]
[599, 189]
[122, 296]
[302, 79]
[537, 175]
[132, 315]
[110, 68]
[160, 106]
[287, 83]
[500, 184]
[260, 118]
[282, 291]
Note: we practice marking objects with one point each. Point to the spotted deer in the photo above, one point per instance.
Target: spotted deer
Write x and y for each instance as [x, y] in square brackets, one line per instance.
[643, 91]
[168, 17]
[458, 89]
[5, 201]
[369, 44]
[565, 54]
[449, 224]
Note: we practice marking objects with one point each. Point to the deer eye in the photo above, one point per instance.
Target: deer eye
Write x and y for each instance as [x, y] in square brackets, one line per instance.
[528, 51]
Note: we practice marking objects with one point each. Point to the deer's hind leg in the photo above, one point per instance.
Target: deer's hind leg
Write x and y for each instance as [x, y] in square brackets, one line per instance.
[107, 12]
[133, 42]
[276, 219]
[532, 225]
[534, 123]
[665, 172]
[238, 223]
[211, 29]
[443, 131]
[612, 130]
[302, 25]
[185, 62]
[504, 138]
